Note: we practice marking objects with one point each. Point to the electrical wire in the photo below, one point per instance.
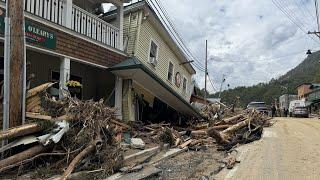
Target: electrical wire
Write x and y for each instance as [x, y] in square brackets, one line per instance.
[292, 20]
[211, 82]
[265, 60]
[183, 47]
[161, 6]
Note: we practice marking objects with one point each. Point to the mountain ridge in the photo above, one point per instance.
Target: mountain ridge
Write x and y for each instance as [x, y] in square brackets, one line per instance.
[308, 71]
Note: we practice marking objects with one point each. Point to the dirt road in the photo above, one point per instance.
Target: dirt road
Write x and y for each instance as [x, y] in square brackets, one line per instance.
[288, 150]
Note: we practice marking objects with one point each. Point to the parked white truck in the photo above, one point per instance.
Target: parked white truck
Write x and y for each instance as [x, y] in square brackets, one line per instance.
[297, 108]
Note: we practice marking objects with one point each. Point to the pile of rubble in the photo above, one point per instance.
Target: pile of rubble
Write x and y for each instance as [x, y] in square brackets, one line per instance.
[70, 135]
[63, 136]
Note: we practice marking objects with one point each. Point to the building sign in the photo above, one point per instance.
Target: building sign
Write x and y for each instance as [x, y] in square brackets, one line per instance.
[35, 34]
[40, 36]
[2, 15]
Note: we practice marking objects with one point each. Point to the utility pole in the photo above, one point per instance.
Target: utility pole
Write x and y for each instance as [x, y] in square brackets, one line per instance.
[15, 65]
[206, 72]
[317, 33]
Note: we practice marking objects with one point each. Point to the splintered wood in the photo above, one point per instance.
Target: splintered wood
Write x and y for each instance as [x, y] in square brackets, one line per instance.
[89, 135]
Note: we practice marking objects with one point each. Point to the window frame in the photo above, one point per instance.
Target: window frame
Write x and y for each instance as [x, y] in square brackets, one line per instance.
[172, 75]
[185, 90]
[157, 52]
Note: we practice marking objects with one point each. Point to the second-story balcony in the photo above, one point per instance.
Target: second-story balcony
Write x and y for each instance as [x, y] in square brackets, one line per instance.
[66, 13]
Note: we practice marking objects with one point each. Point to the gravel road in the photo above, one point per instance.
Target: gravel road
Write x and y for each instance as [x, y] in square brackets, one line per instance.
[288, 150]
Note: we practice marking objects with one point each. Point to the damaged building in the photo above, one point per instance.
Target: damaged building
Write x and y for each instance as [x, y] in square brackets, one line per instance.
[157, 83]
[126, 57]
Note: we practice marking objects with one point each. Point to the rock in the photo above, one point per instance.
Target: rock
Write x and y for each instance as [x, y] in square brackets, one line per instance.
[137, 143]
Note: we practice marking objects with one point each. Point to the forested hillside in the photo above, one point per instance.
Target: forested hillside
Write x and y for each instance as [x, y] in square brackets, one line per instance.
[307, 71]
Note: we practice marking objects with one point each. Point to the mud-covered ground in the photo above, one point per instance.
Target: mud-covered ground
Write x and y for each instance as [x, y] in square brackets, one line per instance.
[192, 165]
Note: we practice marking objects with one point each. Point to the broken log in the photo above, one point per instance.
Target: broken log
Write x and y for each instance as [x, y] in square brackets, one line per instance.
[39, 89]
[178, 141]
[79, 157]
[185, 144]
[120, 124]
[199, 133]
[47, 118]
[220, 137]
[33, 102]
[20, 131]
[21, 156]
[229, 120]
[235, 127]
[221, 127]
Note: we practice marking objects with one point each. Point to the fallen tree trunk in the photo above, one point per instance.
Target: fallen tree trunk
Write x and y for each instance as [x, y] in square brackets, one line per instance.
[235, 127]
[47, 118]
[185, 144]
[199, 133]
[21, 156]
[20, 131]
[220, 137]
[221, 127]
[39, 89]
[79, 157]
[229, 120]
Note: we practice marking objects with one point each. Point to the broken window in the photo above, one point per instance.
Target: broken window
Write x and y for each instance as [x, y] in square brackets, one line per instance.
[184, 84]
[153, 53]
[170, 72]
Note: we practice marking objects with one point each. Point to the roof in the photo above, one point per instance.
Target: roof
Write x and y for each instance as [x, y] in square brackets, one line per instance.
[134, 63]
[303, 84]
[143, 5]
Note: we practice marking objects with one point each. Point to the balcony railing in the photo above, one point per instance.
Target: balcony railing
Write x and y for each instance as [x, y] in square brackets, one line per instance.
[89, 25]
[82, 21]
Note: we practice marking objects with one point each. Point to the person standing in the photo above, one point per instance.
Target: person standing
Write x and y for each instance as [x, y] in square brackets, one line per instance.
[285, 112]
[273, 111]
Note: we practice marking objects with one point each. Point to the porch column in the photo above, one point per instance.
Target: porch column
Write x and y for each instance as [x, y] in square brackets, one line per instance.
[128, 104]
[68, 13]
[64, 74]
[118, 96]
[120, 14]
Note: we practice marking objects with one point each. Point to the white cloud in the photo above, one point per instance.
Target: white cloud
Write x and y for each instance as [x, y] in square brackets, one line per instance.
[246, 37]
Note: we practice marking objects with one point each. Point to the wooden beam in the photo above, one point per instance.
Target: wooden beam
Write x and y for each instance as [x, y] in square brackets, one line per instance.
[16, 59]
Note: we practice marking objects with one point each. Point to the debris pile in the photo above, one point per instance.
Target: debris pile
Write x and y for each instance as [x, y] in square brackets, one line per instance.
[70, 135]
[63, 136]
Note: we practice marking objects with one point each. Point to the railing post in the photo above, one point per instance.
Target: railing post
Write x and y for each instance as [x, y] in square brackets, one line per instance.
[120, 14]
[68, 13]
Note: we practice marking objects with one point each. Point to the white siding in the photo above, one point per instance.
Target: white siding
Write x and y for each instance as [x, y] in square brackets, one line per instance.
[165, 54]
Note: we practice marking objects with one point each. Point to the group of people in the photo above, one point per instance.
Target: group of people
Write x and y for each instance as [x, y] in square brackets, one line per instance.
[274, 111]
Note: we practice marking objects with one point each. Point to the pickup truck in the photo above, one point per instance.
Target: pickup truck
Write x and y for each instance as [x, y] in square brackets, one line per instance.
[297, 108]
[261, 107]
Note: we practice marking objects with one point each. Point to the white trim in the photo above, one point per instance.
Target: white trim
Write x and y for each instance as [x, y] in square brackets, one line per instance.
[157, 55]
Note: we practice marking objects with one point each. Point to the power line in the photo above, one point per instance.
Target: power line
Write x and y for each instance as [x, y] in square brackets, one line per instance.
[183, 47]
[159, 3]
[212, 83]
[287, 9]
[265, 60]
[290, 18]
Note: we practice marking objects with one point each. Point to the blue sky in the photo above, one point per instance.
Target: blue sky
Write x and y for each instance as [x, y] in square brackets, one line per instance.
[251, 41]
